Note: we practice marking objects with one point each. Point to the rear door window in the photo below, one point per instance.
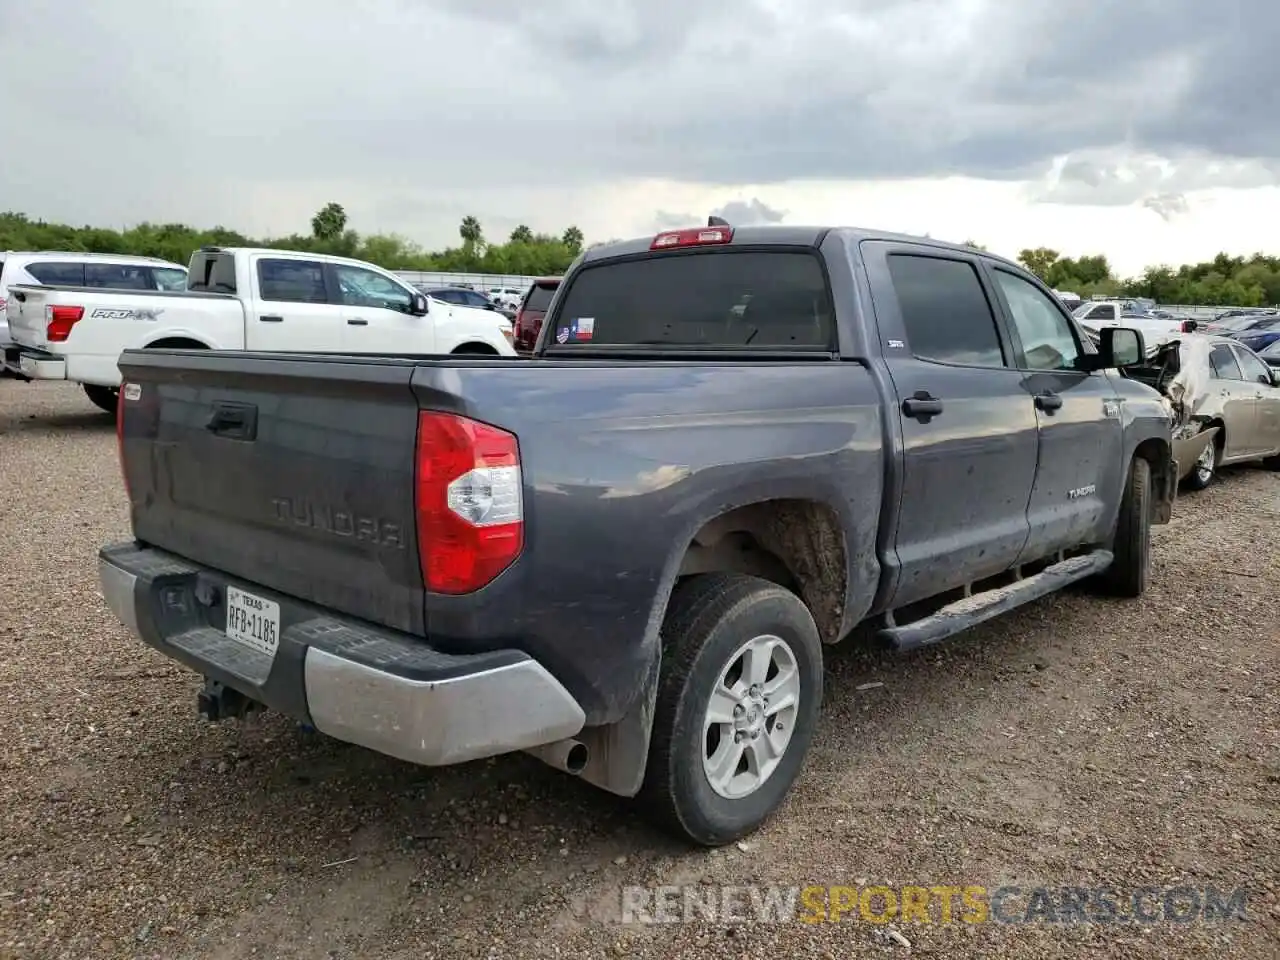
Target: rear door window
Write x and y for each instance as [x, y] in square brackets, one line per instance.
[168, 278]
[724, 299]
[292, 281]
[54, 273]
[945, 311]
[1223, 362]
[117, 276]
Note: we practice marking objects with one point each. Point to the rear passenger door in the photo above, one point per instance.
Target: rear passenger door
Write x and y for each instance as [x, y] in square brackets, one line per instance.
[1081, 470]
[293, 309]
[1239, 406]
[1265, 438]
[968, 427]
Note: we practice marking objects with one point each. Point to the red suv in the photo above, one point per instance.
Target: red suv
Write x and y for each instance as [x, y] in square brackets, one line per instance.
[532, 309]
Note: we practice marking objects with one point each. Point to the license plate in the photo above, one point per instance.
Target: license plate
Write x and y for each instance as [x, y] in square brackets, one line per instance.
[253, 621]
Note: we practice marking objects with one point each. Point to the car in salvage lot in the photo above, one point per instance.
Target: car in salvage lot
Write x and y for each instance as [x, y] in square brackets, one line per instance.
[1226, 402]
[240, 299]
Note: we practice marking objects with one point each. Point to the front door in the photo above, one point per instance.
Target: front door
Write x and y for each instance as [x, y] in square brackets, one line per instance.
[1081, 470]
[378, 314]
[968, 428]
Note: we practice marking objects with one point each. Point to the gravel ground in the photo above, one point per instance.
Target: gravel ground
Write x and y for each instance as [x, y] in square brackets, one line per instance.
[1078, 742]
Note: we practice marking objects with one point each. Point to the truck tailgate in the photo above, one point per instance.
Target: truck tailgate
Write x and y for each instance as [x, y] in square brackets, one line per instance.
[26, 314]
[295, 473]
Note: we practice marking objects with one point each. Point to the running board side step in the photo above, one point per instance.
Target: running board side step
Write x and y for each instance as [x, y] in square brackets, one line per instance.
[970, 611]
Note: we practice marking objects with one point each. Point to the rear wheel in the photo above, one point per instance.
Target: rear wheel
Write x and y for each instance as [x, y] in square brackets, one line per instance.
[475, 350]
[738, 701]
[104, 398]
[1129, 571]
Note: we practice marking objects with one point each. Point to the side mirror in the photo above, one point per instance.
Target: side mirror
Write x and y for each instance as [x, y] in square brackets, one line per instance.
[1117, 347]
[420, 305]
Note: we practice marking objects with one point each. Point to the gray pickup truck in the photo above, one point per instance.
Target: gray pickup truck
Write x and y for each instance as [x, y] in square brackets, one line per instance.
[626, 553]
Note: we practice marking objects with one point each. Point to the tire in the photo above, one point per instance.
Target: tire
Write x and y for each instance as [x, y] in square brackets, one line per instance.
[711, 620]
[1272, 463]
[1205, 471]
[1129, 571]
[104, 398]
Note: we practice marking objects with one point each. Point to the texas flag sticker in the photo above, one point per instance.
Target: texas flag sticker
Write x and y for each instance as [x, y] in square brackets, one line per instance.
[583, 328]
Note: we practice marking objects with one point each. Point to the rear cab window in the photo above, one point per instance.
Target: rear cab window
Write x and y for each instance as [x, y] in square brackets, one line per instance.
[212, 272]
[723, 299]
[539, 297]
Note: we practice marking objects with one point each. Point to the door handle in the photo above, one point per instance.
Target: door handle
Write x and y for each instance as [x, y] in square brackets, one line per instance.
[922, 406]
[1048, 402]
[357, 322]
[236, 421]
[266, 319]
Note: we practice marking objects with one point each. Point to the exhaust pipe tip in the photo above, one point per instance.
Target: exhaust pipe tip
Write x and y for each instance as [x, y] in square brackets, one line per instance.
[575, 759]
[568, 756]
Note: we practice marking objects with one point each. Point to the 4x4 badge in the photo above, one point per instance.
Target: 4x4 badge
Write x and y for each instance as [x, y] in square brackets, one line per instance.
[1111, 408]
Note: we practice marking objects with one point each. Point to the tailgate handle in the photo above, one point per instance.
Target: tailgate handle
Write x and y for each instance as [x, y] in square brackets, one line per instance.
[235, 421]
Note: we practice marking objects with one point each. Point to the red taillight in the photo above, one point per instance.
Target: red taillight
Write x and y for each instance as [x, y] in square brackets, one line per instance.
[697, 237]
[518, 324]
[1188, 326]
[470, 504]
[59, 320]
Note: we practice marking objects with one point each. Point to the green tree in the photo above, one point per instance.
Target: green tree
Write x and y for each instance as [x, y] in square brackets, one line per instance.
[472, 235]
[329, 223]
[573, 239]
[522, 234]
[1039, 261]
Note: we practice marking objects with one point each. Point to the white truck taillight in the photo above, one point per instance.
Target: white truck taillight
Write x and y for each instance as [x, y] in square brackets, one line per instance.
[59, 319]
[470, 507]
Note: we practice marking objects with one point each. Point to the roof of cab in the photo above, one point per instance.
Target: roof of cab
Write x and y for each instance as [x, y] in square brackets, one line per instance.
[787, 235]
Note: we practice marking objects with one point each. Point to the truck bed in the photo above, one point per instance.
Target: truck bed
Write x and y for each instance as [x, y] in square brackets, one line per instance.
[296, 472]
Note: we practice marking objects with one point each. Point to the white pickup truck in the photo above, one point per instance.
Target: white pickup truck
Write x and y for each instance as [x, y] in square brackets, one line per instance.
[241, 299]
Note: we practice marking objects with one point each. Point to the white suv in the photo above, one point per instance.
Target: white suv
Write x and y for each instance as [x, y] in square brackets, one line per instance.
[109, 271]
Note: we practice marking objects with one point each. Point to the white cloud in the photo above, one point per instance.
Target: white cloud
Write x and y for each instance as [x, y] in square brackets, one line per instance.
[414, 113]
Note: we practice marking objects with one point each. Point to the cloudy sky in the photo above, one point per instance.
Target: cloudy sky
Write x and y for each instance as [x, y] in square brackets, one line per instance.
[1141, 129]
